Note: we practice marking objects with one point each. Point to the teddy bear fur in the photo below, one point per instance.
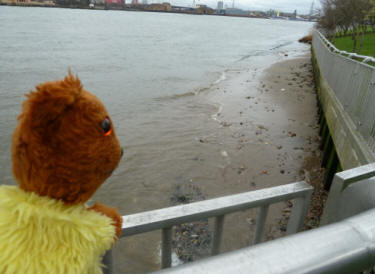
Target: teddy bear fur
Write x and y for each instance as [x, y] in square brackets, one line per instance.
[59, 148]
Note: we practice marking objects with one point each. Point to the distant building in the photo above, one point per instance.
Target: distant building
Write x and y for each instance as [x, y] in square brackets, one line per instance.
[288, 15]
[159, 7]
[203, 9]
[220, 8]
[114, 4]
[237, 12]
[32, 2]
[259, 14]
[220, 5]
[184, 9]
[294, 16]
[21, 1]
[113, 1]
[272, 13]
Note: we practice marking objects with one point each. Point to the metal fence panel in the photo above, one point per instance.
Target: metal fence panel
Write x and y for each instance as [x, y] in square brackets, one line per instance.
[167, 217]
[344, 247]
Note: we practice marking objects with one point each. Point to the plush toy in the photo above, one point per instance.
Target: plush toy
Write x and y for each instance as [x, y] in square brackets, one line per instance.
[63, 149]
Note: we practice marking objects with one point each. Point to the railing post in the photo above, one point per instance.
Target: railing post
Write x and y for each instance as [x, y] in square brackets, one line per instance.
[299, 212]
[261, 220]
[218, 231]
[340, 182]
[108, 263]
[166, 251]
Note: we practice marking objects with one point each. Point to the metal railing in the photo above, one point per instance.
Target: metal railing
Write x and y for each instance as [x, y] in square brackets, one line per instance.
[347, 246]
[166, 218]
[353, 55]
[344, 247]
[353, 83]
[342, 180]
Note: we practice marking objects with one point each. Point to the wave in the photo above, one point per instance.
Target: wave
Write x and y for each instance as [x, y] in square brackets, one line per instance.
[263, 52]
[175, 96]
[195, 91]
[215, 116]
[255, 53]
[222, 77]
[282, 45]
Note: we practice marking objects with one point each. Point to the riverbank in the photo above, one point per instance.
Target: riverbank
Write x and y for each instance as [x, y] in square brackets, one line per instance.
[269, 136]
[298, 76]
[274, 123]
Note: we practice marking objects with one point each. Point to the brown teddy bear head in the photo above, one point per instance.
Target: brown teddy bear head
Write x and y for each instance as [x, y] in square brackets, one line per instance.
[64, 145]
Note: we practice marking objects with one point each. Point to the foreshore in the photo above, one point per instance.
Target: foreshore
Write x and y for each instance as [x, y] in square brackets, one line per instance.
[270, 128]
[294, 88]
[267, 136]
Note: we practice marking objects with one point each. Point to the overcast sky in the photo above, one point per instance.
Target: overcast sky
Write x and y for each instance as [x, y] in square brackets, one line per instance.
[302, 6]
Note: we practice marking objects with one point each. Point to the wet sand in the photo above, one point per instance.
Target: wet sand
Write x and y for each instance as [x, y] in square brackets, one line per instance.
[266, 135]
[294, 78]
[271, 120]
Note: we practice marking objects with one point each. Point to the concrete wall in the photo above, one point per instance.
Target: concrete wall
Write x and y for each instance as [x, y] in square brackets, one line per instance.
[352, 147]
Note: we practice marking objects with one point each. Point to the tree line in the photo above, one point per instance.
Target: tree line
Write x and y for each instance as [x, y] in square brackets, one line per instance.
[348, 17]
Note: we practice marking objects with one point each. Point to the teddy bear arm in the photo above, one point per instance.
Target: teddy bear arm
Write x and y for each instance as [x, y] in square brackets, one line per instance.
[111, 213]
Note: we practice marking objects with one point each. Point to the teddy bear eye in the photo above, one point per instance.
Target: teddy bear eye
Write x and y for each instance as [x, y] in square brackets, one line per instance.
[106, 126]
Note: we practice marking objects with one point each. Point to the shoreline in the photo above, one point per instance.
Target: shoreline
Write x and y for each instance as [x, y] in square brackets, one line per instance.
[298, 78]
[269, 118]
[280, 146]
[266, 134]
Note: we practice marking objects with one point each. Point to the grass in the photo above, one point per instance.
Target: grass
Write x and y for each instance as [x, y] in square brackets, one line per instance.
[346, 43]
[349, 32]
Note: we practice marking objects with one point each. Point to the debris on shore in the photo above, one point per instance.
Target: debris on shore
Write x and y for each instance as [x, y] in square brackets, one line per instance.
[314, 175]
[190, 241]
[306, 39]
[280, 131]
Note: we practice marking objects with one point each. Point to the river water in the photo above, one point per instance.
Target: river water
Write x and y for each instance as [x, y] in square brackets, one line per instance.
[157, 74]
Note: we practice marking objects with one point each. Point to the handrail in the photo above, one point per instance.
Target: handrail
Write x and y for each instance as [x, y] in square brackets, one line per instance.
[166, 218]
[365, 58]
[347, 246]
[344, 247]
